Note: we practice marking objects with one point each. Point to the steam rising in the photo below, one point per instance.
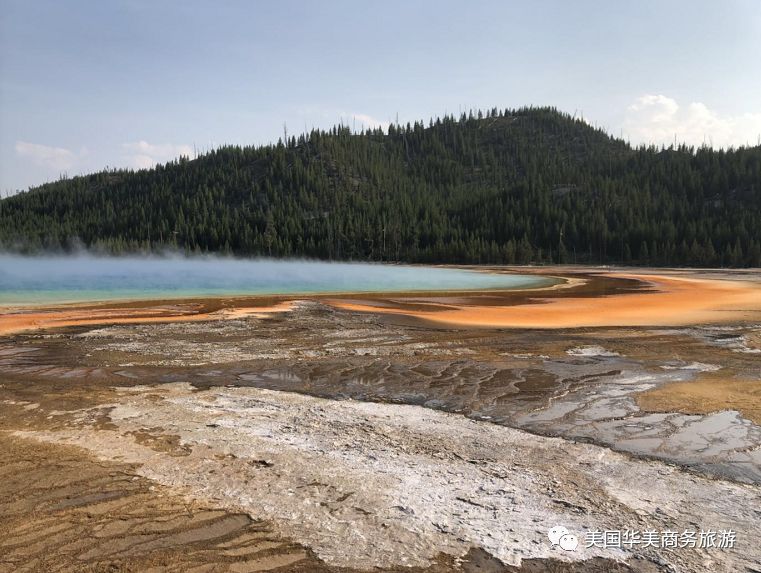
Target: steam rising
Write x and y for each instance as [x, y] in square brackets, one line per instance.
[87, 277]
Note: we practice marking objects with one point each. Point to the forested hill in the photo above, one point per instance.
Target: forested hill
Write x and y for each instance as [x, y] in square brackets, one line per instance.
[530, 185]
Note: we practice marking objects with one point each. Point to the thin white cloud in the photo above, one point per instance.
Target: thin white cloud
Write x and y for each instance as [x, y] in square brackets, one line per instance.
[144, 155]
[368, 121]
[58, 158]
[328, 115]
[660, 119]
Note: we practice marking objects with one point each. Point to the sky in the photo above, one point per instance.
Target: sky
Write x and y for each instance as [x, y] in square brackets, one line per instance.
[86, 85]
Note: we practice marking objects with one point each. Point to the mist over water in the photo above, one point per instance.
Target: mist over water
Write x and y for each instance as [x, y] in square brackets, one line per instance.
[30, 280]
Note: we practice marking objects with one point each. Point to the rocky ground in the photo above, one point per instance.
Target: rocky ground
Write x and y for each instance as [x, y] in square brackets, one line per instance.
[322, 439]
[393, 485]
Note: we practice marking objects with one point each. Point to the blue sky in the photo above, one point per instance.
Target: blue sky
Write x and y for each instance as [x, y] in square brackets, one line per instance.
[127, 83]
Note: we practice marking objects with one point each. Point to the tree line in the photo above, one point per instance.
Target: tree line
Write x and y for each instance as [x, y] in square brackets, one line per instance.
[532, 185]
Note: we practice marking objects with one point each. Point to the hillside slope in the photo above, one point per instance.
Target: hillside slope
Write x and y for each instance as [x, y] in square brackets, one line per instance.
[513, 186]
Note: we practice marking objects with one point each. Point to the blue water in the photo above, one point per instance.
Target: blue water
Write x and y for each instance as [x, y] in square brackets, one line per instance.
[37, 280]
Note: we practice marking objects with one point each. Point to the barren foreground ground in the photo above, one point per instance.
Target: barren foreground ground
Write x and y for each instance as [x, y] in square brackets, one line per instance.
[404, 433]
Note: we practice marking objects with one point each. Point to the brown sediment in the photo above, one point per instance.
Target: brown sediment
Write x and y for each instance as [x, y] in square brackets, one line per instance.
[709, 393]
[64, 510]
[52, 496]
[21, 320]
[669, 301]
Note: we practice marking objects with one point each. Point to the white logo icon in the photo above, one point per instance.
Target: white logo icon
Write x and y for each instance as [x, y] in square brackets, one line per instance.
[556, 533]
[569, 542]
[559, 536]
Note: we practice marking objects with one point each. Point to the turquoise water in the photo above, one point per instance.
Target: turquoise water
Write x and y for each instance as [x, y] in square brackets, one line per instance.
[36, 280]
